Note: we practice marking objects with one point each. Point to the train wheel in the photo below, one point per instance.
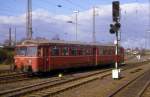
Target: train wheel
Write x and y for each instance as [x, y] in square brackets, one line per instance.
[29, 69]
[22, 69]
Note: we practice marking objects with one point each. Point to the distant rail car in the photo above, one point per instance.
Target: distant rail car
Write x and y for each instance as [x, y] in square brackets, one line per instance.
[32, 56]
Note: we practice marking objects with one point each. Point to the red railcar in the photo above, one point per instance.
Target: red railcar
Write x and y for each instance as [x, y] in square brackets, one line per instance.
[43, 57]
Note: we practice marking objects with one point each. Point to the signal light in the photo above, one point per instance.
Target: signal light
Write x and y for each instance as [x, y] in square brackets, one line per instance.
[112, 29]
[116, 10]
[118, 25]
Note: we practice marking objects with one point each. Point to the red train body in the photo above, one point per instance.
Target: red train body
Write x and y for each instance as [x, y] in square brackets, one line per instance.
[44, 57]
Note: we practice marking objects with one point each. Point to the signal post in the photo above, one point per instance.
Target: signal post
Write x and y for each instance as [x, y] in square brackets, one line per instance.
[114, 29]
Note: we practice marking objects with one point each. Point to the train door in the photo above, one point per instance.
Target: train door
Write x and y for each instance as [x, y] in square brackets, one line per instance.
[46, 65]
[95, 56]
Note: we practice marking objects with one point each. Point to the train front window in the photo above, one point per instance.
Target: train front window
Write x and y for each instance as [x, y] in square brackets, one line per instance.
[31, 51]
[21, 51]
[26, 51]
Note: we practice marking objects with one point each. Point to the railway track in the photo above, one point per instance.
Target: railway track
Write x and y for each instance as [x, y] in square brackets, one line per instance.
[133, 88]
[5, 72]
[14, 77]
[142, 93]
[53, 90]
[145, 92]
[49, 87]
[44, 84]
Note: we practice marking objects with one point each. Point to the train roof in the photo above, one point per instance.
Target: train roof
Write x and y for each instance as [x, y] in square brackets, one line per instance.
[44, 42]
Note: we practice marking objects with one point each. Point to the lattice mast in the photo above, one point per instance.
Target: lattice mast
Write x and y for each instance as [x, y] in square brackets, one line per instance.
[29, 20]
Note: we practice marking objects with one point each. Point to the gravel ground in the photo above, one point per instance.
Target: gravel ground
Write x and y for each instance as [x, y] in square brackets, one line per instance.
[147, 92]
[37, 80]
[135, 87]
[22, 83]
[134, 59]
[101, 87]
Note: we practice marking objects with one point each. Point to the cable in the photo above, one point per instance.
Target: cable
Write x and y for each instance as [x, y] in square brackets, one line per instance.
[47, 3]
[61, 5]
[75, 5]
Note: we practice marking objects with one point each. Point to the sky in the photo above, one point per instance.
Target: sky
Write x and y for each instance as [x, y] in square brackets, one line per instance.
[50, 21]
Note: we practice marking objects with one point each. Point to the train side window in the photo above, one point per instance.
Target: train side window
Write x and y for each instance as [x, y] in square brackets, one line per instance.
[47, 51]
[74, 51]
[91, 51]
[100, 51]
[104, 52]
[119, 50]
[55, 51]
[80, 51]
[65, 51]
[87, 52]
[109, 51]
[83, 51]
[113, 51]
[39, 51]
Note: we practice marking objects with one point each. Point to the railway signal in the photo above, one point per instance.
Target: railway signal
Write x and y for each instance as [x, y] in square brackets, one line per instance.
[114, 29]
[118, 25]
[116, 10]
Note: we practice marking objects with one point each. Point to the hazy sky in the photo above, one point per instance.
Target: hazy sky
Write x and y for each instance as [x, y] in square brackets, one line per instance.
[49, 20]
[16, 7]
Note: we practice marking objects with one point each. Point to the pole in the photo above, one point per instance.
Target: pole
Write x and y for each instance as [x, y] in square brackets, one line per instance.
[148, 36]
[29, 20]
[15, 37]
[116, 63]
[116, 28]
[76, 25]
[76, 28]
[10, 37]
[94, 38]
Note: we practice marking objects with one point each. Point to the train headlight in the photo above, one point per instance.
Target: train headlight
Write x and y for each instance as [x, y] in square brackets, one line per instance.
[30, 61]
[15, 61]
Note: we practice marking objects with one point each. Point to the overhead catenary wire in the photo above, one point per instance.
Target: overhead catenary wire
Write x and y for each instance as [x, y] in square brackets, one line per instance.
[59, 5]
[77, 6]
